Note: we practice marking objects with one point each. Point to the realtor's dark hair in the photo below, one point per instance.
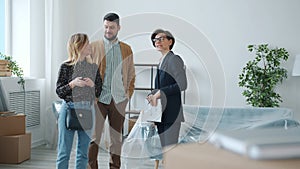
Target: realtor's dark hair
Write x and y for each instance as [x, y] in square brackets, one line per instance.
[168, 36]
[112, 17]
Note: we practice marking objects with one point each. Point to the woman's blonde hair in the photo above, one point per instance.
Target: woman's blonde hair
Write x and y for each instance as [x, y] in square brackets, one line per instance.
[75, 46]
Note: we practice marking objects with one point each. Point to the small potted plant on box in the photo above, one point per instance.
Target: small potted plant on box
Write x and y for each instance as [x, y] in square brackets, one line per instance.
[261, 75]
[13, 68]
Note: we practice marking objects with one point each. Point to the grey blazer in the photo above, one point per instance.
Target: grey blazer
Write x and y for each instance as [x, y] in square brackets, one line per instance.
[171, 80]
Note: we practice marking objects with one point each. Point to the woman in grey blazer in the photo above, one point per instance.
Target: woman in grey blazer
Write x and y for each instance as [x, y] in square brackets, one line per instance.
[170, 80]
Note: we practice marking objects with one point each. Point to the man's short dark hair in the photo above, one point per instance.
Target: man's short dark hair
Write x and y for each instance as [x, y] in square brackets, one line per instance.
[112, 17]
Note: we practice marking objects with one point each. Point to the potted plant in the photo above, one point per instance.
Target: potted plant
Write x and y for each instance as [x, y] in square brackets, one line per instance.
[261, 75]
[14, 68]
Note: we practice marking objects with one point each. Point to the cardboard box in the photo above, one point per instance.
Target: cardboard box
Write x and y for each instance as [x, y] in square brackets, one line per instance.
[4, 62]
[5, 73]
[131, 123]
[11, 123]
[132, 118]
[4, 70]
[15, 149]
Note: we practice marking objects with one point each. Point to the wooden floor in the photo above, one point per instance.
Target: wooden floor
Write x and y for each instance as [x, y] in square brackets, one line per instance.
[45, 158]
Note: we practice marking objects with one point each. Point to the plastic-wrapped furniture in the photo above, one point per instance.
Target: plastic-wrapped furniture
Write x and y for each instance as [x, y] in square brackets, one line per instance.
[206, 120]
[143, 142]
[51, 125]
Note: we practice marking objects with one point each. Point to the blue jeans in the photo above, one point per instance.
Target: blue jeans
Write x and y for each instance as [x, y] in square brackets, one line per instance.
[66, 137]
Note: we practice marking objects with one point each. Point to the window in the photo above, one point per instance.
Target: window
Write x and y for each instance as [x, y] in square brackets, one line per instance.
[14, 31]
[2, 26]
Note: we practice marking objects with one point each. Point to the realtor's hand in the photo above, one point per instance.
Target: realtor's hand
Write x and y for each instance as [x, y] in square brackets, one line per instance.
[149, 98]
[154, 102]
[152, 99]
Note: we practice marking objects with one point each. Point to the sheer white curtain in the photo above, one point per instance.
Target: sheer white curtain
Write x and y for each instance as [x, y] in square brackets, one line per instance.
[56, 36]
[8, 27]
[50, 122]
[58, 22]
[48, 42]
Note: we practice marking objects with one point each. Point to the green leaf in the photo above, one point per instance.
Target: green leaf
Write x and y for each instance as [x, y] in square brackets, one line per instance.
[261, 75]
[15, 69]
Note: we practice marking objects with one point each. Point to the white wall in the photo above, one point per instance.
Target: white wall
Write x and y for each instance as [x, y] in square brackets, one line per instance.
[212, 38]
[229, 25]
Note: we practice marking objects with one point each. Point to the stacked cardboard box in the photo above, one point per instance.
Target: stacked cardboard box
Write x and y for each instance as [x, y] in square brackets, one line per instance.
[15, 143]
[4, 71]
[132, 118]
[131, 123]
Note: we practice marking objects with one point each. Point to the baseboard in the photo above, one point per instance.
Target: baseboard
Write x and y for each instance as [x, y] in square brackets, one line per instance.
[38, 143]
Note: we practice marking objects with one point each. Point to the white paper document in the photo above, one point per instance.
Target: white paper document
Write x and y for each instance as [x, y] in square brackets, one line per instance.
[152, 113]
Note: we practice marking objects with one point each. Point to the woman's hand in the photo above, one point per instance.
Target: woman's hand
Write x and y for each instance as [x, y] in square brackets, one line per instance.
[78, 81]
[152, 99]
[88, 82]
[149, 98]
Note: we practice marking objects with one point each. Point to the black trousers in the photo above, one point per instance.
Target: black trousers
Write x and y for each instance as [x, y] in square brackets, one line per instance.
[168, 133]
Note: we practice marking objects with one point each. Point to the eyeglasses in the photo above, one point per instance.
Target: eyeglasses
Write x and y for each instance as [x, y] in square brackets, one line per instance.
[160, 39]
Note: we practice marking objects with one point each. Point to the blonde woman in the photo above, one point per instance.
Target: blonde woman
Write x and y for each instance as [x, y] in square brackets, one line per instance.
[78, 84]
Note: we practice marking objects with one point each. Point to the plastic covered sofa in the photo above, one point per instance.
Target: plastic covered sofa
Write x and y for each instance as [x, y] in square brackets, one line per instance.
[208, 120]
[200, 122]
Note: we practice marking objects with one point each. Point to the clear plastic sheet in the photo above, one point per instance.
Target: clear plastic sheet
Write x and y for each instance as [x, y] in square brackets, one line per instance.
[141, 144]
[200, 121]
[143, 141]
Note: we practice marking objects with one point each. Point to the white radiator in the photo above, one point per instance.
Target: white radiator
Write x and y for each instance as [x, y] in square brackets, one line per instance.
[32, 102]
[27, 102]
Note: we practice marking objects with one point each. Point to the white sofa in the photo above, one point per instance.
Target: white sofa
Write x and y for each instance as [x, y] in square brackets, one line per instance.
[200, 122]
[205, 119]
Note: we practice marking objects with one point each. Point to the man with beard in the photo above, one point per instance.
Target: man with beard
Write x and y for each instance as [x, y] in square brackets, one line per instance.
[117, 71]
